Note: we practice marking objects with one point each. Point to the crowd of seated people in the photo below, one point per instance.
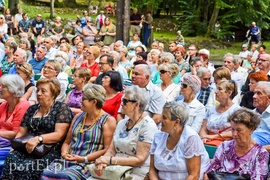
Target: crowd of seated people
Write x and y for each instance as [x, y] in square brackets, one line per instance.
[113, 103]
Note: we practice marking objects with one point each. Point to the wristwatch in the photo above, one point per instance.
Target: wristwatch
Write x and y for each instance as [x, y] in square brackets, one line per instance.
[40, 138]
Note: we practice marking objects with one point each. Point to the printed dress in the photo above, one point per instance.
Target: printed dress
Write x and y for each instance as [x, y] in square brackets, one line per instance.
[19, 165]
[254, 162]
[125, 142]
[81, 144]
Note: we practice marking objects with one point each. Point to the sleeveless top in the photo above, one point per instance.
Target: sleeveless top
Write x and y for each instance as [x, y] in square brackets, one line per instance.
[28, 86]
[75, 98]
[89, 141]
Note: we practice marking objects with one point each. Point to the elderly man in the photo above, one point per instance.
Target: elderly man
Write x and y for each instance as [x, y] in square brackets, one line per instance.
[19, 57]
[105, 64]
[244, 53]
[135, 20]
[255, 32]
[38, 25]
[261, 100]
[40, 60]
[156, 100]
[237, 68]
[51, 51]
[206, 95]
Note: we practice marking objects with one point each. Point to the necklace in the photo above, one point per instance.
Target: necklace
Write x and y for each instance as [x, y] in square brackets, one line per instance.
[128, 129]
[82, 130]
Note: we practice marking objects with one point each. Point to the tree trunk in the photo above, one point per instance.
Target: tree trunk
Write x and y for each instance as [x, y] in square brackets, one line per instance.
[126, 23]
[119, 19]
[199, 10]
[66, 2]
[13, 6]
[52, 9]
[212, 20]
[206, 10]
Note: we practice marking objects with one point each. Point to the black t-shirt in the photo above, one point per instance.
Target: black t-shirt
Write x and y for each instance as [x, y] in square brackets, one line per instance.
[135, 17]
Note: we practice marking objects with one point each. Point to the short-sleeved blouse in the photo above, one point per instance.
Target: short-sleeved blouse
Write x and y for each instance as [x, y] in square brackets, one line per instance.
[254, 162]
[171, 164]
[75, 98]
[125, 142]
[58, 29]
[218, 121]
[59, 113]
[94, 68]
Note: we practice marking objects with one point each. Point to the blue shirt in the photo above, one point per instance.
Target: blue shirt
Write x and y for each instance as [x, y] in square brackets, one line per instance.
[25, 25]
[38, 65]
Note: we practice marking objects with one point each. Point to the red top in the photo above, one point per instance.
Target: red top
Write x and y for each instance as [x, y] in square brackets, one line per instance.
[112, 105]
[94, 68]
[12, 121]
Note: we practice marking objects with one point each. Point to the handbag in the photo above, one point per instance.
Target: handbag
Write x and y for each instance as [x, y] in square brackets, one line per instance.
[112, 172]
[215, 175]
[4, 142]
[217, 142]
[39, 151]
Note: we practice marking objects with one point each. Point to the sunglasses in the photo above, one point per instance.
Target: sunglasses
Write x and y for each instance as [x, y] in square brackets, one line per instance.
[162, 71]
[125, 101]
[183, 85]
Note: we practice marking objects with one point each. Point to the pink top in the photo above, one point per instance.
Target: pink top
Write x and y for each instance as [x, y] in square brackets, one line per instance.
[12, 121]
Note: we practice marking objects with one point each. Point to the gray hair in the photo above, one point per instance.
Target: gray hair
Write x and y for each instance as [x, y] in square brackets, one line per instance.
[167, 55]
[202, 70]
[173, 68]
[265, 85]
[136, 93]
[228, 55]
[177, 111]
[236, 59]
[155, 51]
[14, 83]
[23, 53]
[62, 57]
[26, 42]
[95, 91]
[146, 69]
[116, 56]
[56, 64]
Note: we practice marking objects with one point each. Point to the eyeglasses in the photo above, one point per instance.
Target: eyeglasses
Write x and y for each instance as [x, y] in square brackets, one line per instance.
[253, 63]
[191, 49]
[263, 60]
[183, 85]
[86, 51]
[125, 101]
[101, 64]
[162, 71]
[46, 42]
[47, 67]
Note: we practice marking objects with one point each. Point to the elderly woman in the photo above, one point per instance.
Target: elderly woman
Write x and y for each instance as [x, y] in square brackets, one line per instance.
[49, 121]
[80, 77]
[108, 31]
[167, 73]
[114, 87]
[215, 125]
[89, 32]
[91, 53]
[65, 47]
[166, 59]
[190, 86]
[133, 136]
[247, 99]
[25, 45]
[154, 61]
[12, 111]
[25, 71]
[242, 154]
[173, 154]
[62, 57]
[7, 61]
[88, 138]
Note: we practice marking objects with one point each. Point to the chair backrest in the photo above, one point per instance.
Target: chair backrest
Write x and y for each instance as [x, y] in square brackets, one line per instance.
[210, 150]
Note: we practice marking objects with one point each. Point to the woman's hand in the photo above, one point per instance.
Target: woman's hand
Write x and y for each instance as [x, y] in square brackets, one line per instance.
[206, 138]
[31, 144]
[103, 160]
[99, 168]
